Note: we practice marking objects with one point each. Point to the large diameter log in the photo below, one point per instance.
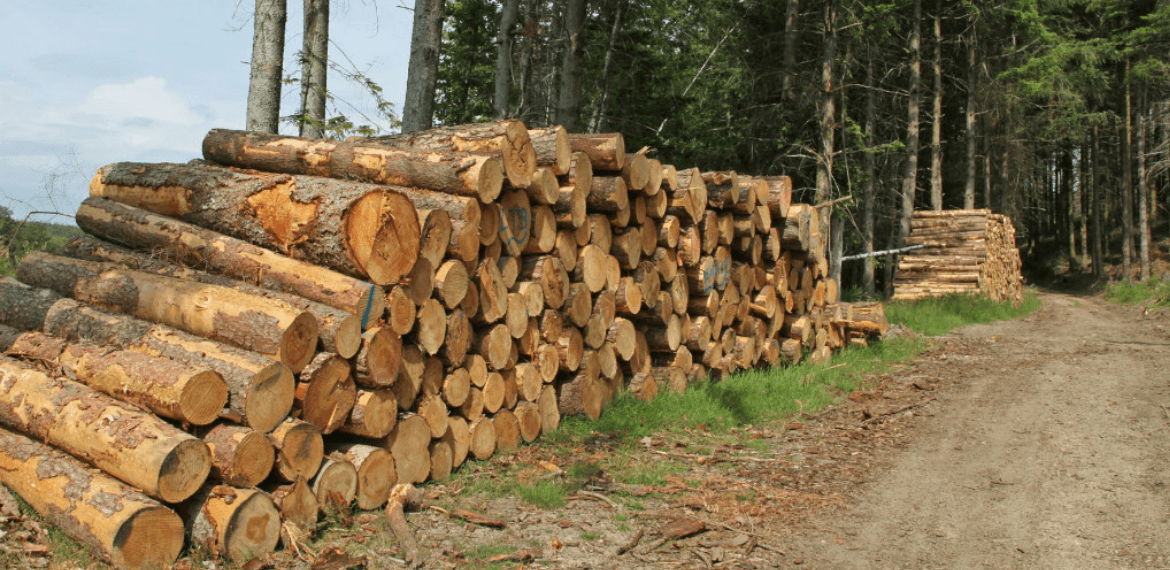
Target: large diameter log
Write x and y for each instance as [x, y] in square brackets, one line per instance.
[240, 456]
[120, 525]
[507, 140]
[197, 247]
[515, 221]
[241, 524]
[507, 429]
[168, 388]
[409, 443]
[356, 228]
[636, 171]
[453, 172]
[339, 331]
[23, 307]
[260, 390]
[130, 444]
[265, 326]
[606, 151]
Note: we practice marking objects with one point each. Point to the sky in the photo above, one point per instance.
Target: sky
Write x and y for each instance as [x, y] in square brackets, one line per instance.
[86, 84]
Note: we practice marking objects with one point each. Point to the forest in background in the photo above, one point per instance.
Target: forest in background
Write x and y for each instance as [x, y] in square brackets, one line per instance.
[1051, 111]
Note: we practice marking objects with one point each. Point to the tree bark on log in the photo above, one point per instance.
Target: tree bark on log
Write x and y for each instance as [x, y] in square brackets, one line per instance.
[552, 148]
[606, 151]
[197, 247]
[507, 140]
[119, 524]
[260, 390]
[269, 327]
[477, 175]
[339, 331]
[359, 229]
[130, 444]
[168, 388]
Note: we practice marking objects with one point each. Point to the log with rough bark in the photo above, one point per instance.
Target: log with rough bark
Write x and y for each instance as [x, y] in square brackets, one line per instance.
[606, 151]
[197, 247]
[376, 473]
[409, 443]
[478, 175]
[299, 449]
[356, 228]
[134, 446]
[119, 524]
[608, 194]
[326, 392]
[339, 331]
[506, 140]
[260, 390]
[241, 524]
[552, 148]
[240, 456]
[166, 387]
[265, 326]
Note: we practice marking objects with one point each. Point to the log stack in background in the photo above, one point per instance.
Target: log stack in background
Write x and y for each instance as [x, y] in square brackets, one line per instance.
[964, 251]
[378, 311]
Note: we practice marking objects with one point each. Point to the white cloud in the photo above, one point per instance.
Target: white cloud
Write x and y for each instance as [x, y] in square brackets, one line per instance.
[140, 102]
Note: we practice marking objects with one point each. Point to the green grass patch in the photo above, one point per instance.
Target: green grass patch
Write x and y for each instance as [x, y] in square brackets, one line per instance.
[939, 315]
[547, 494]
[750, 397]
[1154, 293]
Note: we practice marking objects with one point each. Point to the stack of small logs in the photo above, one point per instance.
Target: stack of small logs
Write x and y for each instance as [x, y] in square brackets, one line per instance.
[295, 325]
[964, 251]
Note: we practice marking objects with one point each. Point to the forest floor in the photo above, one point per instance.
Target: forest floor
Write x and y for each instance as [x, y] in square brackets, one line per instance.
[1035, 443]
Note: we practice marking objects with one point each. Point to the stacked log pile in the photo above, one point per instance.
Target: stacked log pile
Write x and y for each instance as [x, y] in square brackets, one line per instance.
[963, 251]
[293, 325]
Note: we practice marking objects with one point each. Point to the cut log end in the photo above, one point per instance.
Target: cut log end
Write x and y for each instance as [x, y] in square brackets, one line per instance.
[270, 397]
[203, 398]
[152, 538]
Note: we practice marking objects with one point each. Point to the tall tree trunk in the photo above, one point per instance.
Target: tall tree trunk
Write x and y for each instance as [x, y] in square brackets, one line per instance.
[531, 31]
[597, 124]
[1143, 195]
[569, 103]
[910, 173]
[267, 66]
[314, 69]
[972, 80]
[1084, 202]
[1127, 182]
[418, 107]
[1098, 215]
[506, 40]
[1068, 191]
[827, 109]
[936, 180]
[791, 18]
[867, 188]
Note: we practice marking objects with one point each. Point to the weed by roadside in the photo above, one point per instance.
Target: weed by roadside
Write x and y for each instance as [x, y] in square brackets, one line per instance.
[1154, 293]
[937, 316]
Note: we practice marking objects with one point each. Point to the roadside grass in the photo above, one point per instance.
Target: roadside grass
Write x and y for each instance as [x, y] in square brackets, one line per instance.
[750, 397]
[1154, 293]
[937, 316]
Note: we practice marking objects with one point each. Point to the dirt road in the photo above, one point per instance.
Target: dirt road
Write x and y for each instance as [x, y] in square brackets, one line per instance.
[1048, 448]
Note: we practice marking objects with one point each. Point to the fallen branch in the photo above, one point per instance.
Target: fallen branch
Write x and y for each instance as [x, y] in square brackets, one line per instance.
[679, 528]
[596, 497]
[631, 544]
[472, 517]
[404, 496]
[897, 410]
